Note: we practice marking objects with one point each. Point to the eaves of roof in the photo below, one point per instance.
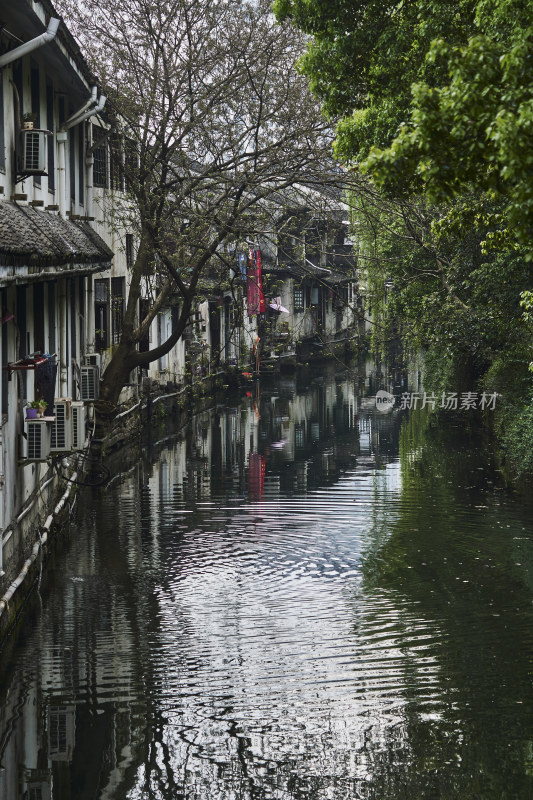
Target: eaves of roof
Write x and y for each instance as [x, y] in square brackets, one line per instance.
[69, 42]
[40, 240]
[298, 271]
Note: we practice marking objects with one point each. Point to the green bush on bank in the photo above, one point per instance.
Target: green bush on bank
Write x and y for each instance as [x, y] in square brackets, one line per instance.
[510, 377]
[512, 422]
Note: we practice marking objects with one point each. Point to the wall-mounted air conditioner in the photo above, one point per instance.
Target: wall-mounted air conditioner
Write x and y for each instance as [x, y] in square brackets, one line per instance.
[78, 425]
[61, 428]
[35, 152]
[90, 383]
[93, 360]
[38, 440]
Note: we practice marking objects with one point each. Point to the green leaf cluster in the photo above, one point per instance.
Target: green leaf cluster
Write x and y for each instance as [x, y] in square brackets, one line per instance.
[433, 103]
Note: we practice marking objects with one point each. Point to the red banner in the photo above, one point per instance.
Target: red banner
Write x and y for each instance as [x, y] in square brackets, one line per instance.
[254, 284]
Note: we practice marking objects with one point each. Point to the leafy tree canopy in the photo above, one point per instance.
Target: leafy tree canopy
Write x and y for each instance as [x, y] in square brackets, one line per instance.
[433, 97]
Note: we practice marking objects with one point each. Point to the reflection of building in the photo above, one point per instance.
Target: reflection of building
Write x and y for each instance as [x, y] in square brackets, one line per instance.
[36, 784]
[61, 732]
[181, 517]
[302, 433]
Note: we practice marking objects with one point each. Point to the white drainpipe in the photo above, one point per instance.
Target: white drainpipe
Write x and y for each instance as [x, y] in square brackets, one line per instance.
[90, 102]
[77, 118]
[61, 138]
[89, 167]
[82, 114]
[33, 44]
[63, 366]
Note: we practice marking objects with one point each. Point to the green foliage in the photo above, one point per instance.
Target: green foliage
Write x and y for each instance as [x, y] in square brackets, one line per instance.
[433, 97]
[515, 432]
[366, 55]
[431, 279]
[510, 377]
[434, 104]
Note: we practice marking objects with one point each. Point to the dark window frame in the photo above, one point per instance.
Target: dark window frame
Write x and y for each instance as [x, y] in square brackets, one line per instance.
[116, 165]
[81, 163]
[35, 94]
[5, 356]
[299, 298]
[118, 288]
[129, 250]
[101, 314]
[2, 124]
[72, 163]
[100, 180]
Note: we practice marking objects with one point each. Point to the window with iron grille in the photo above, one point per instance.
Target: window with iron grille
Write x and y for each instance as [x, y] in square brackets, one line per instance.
[35, 102]
[72, 157]
[81, 162]
[116, 164]
[298, 298]
[129, 250]
[117, 308]
[58, 731]
[101, 314]
[100, 167]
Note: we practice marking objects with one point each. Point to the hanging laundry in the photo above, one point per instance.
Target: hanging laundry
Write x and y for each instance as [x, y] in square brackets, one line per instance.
[45, 380]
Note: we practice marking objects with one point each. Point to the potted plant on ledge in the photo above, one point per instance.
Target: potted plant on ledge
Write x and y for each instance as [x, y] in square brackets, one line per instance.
[35, 408]
[32, 409]
[29, 119]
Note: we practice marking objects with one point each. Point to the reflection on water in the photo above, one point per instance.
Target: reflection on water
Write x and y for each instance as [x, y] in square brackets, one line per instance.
[298, 599]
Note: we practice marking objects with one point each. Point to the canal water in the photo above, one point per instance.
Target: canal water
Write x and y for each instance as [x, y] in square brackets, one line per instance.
[298, 597]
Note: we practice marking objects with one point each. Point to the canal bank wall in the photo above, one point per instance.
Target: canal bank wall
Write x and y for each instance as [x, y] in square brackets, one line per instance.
[32, 539]
[29, 542]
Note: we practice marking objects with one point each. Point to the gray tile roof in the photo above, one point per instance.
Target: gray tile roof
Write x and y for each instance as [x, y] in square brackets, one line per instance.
[309, 270]
[39, 239]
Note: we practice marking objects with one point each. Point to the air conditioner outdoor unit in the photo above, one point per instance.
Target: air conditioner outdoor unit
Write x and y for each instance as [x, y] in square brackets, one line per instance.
[93, 360]
[38, 440]
[61, 428]
[35, 152]
[90, 383]
[78, 425]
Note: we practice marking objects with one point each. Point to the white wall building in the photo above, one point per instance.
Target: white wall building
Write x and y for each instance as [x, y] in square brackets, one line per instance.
[49, 255]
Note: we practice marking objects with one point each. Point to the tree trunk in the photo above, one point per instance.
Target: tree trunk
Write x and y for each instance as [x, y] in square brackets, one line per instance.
[114, 379]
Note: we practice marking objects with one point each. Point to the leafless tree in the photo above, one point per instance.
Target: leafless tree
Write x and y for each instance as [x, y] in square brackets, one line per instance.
[217, 120]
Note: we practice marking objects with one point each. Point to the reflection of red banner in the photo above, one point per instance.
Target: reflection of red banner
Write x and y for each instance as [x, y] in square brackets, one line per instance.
[254, 284]
[256, 476]
[259, 281]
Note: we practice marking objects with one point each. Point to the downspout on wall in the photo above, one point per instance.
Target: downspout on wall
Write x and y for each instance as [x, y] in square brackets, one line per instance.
[61, 138]
[73, 117]
[78, 117]
[89, 168]
[33, 44]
